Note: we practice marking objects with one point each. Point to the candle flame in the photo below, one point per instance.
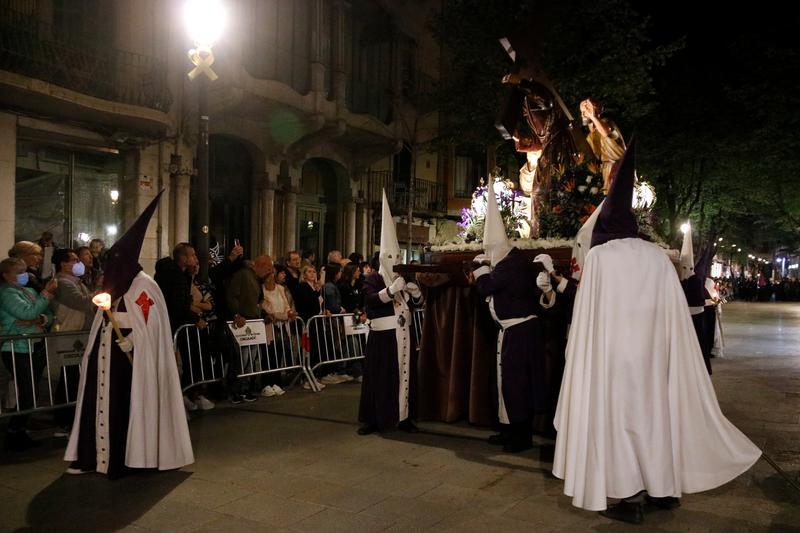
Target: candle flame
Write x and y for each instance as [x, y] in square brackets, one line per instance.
[103, 301]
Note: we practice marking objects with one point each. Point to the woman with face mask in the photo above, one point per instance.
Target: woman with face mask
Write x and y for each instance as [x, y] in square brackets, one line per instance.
[74, 311]
[22, 310]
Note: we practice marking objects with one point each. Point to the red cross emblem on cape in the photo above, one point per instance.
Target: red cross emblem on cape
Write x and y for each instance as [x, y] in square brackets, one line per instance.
[144, 301]
[573, 264]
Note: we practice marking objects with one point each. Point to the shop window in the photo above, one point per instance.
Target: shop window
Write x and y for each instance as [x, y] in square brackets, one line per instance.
[74, 195]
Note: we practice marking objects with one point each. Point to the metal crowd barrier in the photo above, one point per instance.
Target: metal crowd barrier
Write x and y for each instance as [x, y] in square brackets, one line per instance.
[286, 346]
[44, 374]
[281, 350]
[418, 316]
[336, 339]
[202, 361]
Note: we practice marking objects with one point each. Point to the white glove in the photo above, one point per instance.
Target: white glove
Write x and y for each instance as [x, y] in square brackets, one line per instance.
[543, 282]
[397, 285]
[126, 344]
[413, 289]
[481, 258]
[546, 261]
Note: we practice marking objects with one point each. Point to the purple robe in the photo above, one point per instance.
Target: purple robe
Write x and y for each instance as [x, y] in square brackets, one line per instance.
[379, 406]
[512, 284]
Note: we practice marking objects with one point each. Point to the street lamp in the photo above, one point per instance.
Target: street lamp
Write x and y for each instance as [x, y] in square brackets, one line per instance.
[205, 20]
[685, 228]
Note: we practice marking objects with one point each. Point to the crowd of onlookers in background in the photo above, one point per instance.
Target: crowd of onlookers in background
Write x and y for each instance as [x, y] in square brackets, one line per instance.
[38, 297]
[47, 288]
[762, 289]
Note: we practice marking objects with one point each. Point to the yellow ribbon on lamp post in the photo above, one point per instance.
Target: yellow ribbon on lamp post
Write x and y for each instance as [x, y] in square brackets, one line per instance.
[202, 58]
[103, 301]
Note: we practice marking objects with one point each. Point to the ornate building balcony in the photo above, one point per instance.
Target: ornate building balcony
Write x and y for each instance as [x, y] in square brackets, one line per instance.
[430, 197]
[33, 49]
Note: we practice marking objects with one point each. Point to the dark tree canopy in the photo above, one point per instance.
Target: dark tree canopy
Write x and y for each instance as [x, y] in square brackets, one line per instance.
[715, 107]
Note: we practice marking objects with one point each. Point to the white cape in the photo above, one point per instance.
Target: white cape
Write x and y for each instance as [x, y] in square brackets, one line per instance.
[158, 435]
[637, 409]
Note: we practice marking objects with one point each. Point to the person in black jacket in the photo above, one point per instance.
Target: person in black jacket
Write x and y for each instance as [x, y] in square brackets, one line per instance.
[174, 278]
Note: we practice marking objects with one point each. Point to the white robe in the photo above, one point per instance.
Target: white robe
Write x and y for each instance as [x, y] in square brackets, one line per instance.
[637, 409]
[158, 434]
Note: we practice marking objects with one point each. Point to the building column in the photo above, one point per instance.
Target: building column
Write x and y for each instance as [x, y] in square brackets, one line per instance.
[268, 219]
[350, 227]
[361, 244]
[8, 180]
[366, 246]
[290, 219]
[181, 189]
[370, 231]
[338, 38]
[290, 207]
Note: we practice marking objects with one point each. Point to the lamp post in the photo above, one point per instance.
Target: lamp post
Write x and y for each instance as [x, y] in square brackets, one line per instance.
[205, 20]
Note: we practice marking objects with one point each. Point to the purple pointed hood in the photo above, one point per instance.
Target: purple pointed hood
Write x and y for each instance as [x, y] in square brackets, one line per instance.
[616, 219]
[122, 263]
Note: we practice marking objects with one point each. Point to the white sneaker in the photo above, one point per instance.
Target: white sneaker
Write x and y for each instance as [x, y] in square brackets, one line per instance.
[307, 385]
[268, 391]
[330, 379]
[278, 390]
[346, 377]
[204, 403]
[77, 471]
[189, 404]
[360, 379]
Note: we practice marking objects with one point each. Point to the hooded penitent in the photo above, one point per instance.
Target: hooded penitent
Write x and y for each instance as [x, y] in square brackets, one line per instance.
[122, 263]
[637, 410]
[389, 254]
[687, 255]
[691, 278]
[495, 242]
[616, 219]
[583, 241]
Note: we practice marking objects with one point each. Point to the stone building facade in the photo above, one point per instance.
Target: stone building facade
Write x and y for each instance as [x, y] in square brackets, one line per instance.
[314, 113]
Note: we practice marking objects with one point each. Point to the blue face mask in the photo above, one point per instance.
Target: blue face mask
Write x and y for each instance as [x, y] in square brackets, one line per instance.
[79, 269]
[22, 279]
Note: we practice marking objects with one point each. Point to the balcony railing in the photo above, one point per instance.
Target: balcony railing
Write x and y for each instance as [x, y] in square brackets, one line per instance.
[33, 48]
[429, 197]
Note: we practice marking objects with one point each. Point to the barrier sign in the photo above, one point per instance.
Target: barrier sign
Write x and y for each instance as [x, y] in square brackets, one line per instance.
[253, 332]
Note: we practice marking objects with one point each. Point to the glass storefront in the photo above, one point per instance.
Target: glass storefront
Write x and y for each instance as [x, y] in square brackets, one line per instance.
[75, 195]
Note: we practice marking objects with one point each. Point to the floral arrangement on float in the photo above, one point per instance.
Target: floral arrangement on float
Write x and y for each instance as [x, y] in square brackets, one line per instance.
[509, 200]
[575, 192]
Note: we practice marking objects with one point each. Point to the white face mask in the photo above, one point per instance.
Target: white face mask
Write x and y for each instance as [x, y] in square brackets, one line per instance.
[79, 269]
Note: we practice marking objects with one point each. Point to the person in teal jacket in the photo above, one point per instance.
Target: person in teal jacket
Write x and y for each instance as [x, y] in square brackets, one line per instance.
[22, 311]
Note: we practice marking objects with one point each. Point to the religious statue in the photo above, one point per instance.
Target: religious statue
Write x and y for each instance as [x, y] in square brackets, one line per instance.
[604, 138]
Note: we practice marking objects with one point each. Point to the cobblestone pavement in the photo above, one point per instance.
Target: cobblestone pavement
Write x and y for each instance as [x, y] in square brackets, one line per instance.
[295, 463]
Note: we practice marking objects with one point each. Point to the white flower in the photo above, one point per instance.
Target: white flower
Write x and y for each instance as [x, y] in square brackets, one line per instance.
[581, 188]
[588, 179]
[594, 190]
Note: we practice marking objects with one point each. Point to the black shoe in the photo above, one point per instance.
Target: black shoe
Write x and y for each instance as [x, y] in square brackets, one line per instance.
[237, 399]
[517, 446]
[667, 502]
[408, 426]
[367, 429]
[499, 439]
[630, 512]
[250, 397]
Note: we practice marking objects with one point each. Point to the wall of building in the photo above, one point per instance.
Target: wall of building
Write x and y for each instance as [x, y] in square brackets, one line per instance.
[284, 121]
